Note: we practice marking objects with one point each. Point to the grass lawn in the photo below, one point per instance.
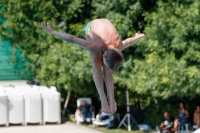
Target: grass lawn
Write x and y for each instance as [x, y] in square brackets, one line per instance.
[118, 130]
[104, 130]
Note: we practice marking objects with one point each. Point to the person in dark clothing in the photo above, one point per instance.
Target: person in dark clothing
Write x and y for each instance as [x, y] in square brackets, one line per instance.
[84, 110]
[167, 123]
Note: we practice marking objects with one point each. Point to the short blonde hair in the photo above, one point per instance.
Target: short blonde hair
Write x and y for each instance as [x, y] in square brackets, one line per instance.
[114, 58]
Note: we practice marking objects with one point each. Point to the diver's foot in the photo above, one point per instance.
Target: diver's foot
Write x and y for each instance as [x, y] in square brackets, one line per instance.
[113, 105]
[104, 105]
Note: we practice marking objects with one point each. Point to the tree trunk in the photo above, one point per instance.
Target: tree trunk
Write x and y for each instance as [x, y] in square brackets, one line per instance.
[66, 103]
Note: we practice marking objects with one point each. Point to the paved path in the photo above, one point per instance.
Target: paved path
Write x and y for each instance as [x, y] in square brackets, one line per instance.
[63, 128]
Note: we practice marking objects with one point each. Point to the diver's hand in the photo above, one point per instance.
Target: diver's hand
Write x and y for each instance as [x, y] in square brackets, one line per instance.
[138, 36]
[46, 27]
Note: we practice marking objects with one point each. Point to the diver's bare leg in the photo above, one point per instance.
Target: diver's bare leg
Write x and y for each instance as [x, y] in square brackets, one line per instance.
[108, 77]
[98, 77]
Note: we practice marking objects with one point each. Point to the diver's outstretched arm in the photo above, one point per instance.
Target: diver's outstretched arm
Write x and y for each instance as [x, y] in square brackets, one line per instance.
[129, 41]
[68, 37]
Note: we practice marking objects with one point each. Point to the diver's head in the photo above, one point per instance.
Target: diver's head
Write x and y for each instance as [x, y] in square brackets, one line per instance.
[113, 58]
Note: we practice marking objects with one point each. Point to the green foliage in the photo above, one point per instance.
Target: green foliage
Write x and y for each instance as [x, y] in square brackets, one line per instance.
[164, 64]
[55, 62]
[169, 55]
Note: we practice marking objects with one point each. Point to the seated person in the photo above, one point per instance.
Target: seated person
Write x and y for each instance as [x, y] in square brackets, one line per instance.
[197, 117]
[167, 123]
[102, 116]
[183, 117]
[84, 110]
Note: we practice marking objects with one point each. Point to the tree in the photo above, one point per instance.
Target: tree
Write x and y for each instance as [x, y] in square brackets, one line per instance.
[170, 53]
[161, 65]
[56, 62]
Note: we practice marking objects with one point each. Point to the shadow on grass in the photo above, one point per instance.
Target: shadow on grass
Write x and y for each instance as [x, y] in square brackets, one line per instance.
[134, 129]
